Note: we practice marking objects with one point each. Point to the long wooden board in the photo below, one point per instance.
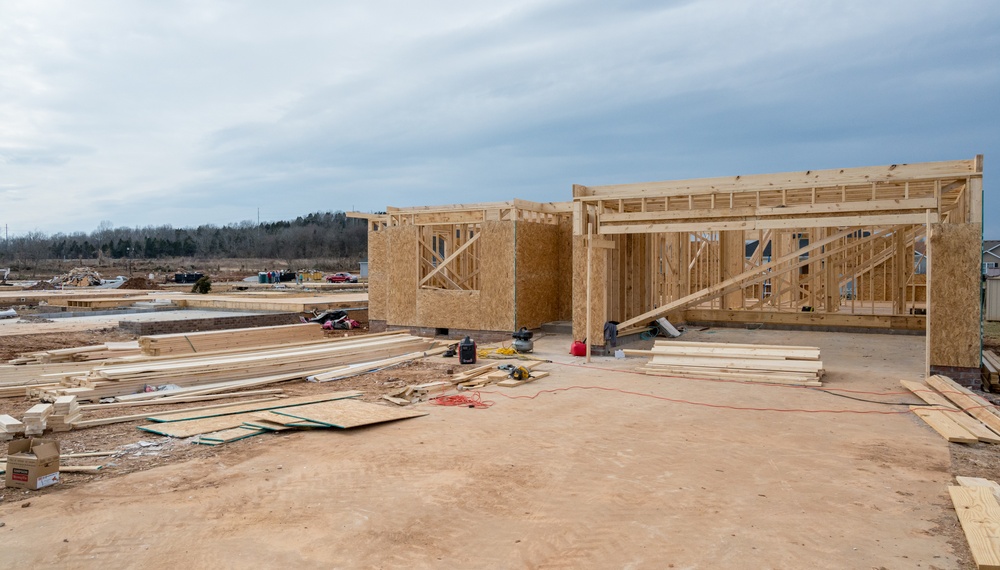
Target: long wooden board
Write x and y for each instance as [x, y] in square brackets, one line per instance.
[993, 486]
[979, 513]
[942, 423]
[971, 424]
[348, 413]
[962, 400]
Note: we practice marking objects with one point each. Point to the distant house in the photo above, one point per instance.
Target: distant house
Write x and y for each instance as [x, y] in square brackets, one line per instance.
[991, 258]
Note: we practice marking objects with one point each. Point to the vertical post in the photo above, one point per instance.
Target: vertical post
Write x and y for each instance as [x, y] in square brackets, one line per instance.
[927, 311]
[590, 258]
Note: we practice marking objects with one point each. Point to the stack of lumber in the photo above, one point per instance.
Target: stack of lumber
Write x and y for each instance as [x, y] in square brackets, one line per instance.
[977, 504]
[78, 354]
[991, 371]
[773, 364]
[66, 410]
[257, 366]
[502, 377]
[35, 419]
[9, 427]
[213, 341]
[955, 412]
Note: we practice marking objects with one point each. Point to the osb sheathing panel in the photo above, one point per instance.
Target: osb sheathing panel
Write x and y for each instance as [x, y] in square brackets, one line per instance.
[377, 275]
[955, 294]
[450, 309]
[566, 269]
[402, 259]
[540, 291]
[496, 266]
[599, 297]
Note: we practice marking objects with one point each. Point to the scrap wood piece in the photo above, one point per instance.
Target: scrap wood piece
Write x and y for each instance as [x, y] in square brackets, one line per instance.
[64, 468]
[978, 409]
[395, 400]
[971, 424]
[229, 435]
[979, 513]
[993, 486]
[348, 413]
[942, 423]
[240, 408]
[357, 369]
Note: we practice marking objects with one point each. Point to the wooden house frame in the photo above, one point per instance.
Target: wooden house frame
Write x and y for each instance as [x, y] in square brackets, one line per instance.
[843, 248]
[487, 267]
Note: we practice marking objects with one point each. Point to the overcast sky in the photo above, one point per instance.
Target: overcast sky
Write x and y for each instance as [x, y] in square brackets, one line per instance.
[183, 113]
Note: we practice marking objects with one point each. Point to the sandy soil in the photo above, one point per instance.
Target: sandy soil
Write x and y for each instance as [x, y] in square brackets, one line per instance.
[644, 472]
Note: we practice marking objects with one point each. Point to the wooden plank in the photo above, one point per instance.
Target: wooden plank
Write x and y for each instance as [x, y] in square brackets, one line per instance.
[190, 428]
[963, 401]
[979, 513]
[993, 486]
[121, 419]
[348, 413]
[241, 408]
[942, 423]
[511, 383]
[971, 424]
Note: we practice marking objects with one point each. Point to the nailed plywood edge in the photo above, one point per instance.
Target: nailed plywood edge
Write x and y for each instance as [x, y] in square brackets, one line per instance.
[955, 296]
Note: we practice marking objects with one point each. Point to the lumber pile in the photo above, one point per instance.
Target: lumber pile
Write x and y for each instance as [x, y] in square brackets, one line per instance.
[212, 341]
[991, 371]
[78, 277]
[36, 418]
[478, 377]
[773, 364]
[977, 504]
[9, 427]
[65, 411]
[258, 366]
[955, 412]
[77, 354]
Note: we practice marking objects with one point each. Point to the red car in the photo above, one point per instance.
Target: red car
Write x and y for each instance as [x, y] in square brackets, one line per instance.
[342, 277]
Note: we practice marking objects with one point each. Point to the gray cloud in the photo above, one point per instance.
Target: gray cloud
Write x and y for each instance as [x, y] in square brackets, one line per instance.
[149, 113]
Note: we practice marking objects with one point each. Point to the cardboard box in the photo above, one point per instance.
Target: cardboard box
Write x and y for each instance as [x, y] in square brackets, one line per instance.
[32, 463]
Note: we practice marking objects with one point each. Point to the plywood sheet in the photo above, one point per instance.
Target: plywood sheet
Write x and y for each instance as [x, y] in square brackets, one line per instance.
[378, 267]
[241, 408]
[402, 259]
[539, 281]
[348, 413]
[453, 309]
[599, 291]
[955, 294]
[496, 266]
[228, 435]
[196, 427]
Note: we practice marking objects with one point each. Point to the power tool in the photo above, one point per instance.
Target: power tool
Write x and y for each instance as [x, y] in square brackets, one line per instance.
[522, 340]
[515, 372]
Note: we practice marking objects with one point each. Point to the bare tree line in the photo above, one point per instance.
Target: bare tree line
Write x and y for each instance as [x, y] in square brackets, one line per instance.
[317, 235]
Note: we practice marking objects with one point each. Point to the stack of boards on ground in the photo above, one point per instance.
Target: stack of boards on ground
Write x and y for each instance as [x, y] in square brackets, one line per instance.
[212, 341]
[240, 421]
[262, 365]
[958, 414]
[78, 354]
[977, 504]
[774, 364]
[991, 371]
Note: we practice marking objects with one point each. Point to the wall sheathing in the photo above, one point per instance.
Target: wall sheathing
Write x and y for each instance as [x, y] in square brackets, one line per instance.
[378, 289]
[955, 295]
[542, 278]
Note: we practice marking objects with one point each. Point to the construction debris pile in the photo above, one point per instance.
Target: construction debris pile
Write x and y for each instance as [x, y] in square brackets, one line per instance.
[799, 365]
[78, 277]
[140, 283]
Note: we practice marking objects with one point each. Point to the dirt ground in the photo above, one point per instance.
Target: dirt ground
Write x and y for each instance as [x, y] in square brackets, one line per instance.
[594, 466]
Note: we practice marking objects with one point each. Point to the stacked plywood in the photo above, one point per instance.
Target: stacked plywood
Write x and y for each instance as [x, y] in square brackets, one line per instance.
[955, 412]
[213, 341]
[773, 364]
[276, 364]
